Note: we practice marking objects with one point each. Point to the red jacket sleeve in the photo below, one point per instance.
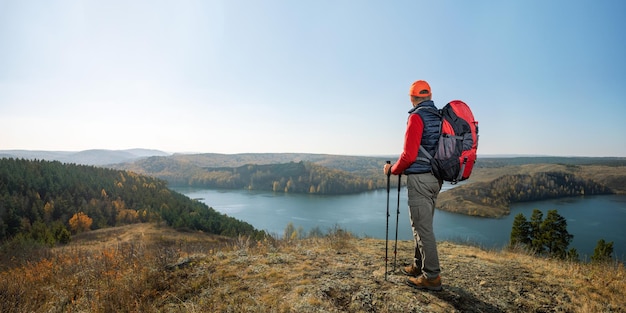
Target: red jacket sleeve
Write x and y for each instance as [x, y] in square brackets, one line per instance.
[412, 142]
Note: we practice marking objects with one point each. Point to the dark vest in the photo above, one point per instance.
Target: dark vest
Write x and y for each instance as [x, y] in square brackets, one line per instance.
[430, 136]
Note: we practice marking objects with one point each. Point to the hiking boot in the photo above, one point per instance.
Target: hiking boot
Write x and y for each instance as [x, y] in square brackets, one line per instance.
[422, 282]
[411, 271]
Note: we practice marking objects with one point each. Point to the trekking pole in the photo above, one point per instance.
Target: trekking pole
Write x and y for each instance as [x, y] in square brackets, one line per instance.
[395, 247]
[387, 225]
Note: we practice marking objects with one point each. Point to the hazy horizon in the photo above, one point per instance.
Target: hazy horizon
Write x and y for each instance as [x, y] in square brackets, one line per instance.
[480, 155]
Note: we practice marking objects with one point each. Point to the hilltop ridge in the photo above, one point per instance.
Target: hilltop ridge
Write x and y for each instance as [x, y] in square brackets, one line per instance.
[151, 268]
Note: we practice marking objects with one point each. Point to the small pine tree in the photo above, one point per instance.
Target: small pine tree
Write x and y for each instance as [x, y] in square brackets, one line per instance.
[603, 251]
[572, 255]
[520, 233]
[536, 240]
[554, 235]
[61, 234]
[42, 234]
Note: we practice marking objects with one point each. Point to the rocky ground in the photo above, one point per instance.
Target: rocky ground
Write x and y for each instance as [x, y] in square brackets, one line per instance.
[347, 275]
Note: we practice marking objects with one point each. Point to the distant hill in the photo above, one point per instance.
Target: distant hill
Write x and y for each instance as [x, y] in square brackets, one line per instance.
[364, 166]
[87, 157]
[281, 172]
[358, 165]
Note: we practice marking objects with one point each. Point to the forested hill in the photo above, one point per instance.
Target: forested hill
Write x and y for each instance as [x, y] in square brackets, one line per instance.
[44, 200]
[300, 173]
[491, 191]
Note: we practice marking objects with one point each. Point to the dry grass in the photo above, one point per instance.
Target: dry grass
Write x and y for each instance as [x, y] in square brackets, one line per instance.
[145, 268]
[586, 287]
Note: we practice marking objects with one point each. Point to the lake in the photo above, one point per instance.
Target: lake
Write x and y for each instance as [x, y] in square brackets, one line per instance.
[589, 218]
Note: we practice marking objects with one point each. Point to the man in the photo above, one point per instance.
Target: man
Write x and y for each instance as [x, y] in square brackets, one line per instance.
[423, 129]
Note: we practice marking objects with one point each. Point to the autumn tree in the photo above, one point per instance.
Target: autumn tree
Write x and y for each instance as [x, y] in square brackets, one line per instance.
[127, 216]
[290, 232]
[80, 222]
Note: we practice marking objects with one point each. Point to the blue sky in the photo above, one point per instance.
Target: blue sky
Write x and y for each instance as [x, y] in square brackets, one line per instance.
[329, 76]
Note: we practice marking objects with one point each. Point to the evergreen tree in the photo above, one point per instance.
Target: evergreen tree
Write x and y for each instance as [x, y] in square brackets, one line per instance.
[536, 242]
[42, 234]
[520, 233]
[61, 234]
[554, 235]
[548, 236]
[603, 251]
[572, 255]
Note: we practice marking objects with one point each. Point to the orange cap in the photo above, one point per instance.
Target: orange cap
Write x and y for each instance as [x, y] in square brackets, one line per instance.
[420, 88]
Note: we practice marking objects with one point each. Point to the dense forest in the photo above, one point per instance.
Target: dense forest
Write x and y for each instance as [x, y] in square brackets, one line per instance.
[44, 201]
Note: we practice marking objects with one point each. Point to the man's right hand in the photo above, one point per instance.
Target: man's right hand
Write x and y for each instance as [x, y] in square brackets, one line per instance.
[387, 169]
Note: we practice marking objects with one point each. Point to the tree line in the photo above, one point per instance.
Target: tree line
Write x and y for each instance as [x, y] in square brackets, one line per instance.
[292, 177]
[47, 201]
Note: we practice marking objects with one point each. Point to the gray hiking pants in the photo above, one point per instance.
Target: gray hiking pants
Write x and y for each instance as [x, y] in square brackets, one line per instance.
[423, 190]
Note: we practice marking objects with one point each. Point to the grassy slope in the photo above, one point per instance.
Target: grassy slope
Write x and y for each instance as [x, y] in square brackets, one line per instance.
[148, 268]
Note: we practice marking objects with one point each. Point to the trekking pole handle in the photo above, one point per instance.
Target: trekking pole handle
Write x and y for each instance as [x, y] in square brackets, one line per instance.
[389, 173]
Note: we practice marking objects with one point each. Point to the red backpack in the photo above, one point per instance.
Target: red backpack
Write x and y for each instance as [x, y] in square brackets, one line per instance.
[456, 151]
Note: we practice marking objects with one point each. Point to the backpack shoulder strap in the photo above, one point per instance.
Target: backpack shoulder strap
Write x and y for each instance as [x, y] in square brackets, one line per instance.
[427, 155]
[428, 108]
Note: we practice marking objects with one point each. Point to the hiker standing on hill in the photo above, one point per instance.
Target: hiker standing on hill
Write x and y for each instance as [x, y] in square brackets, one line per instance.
[423, 129]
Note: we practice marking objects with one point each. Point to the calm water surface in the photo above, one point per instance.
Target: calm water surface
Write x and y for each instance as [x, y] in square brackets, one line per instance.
[589, 219]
